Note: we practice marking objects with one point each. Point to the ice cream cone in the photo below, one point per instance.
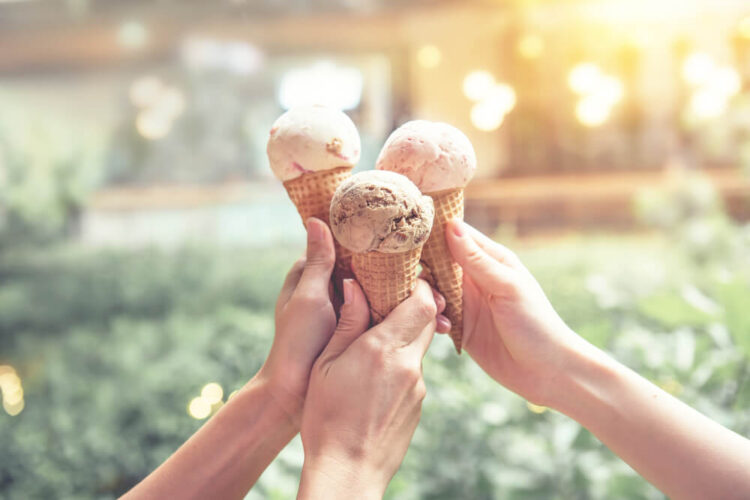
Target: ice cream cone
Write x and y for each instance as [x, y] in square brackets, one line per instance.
[441, 161]
[442, 272]
[311, 193]
[386, 278]
[385, 221]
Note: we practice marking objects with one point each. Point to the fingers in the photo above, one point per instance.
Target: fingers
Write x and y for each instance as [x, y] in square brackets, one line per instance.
[483, 268]
[321, 257]
[354, 320]
[290, 282]
[492, 247]
[405, 323]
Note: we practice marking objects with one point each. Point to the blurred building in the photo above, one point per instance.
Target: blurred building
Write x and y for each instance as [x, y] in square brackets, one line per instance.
[572, 106]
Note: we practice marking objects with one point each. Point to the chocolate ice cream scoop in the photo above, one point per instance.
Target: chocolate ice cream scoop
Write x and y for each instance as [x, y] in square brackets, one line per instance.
[380, 211]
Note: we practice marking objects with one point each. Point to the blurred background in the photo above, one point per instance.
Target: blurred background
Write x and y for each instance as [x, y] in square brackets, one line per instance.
[143, 239]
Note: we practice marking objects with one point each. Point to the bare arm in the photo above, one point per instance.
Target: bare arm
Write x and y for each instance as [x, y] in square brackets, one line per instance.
[228, 454]
[512, 331]
[679, 450]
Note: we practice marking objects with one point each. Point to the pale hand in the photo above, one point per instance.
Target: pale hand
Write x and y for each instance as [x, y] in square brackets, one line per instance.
[365, 397]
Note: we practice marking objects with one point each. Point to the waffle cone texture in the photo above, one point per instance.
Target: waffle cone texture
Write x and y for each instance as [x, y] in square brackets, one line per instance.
[386, 278]
[441, 271]
[311, 193]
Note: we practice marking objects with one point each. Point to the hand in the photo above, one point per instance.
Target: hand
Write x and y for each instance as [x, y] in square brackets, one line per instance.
[305, 320]
[510, 328]
[365, 397]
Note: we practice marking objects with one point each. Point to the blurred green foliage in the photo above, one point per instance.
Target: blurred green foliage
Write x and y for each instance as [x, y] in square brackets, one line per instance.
[111, 347]
[48, 165]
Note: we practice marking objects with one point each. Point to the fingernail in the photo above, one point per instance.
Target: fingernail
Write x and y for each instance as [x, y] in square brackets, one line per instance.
[443, 324]
[348, 291]
[458, 228]
[314, 230]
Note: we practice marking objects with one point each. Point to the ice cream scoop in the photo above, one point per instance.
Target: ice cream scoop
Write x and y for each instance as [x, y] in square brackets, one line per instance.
[312, 139]
[384, 220]
[380, 211]
[434, 155]
[440, 160]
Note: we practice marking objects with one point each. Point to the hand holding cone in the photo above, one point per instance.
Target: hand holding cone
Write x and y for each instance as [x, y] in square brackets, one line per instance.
[384, 220]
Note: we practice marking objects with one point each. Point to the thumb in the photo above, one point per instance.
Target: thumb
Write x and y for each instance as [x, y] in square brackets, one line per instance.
[320, 259]
[488, 273]
[354, 320]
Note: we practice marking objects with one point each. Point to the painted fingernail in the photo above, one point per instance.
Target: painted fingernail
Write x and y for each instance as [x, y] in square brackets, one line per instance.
[458, 228]
[348, 291]
[314, 230]
[443, 324]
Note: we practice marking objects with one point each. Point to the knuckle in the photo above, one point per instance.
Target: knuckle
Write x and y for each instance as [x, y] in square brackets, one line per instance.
[426, 309]
[409, 374]
[375, 352]
[310, 301]
[320, 259]
[474, 257]
[420, 390]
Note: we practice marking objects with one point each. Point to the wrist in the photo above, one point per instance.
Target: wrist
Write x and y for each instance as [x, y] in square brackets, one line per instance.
[585, 376]
[288, 406]
[330, 476]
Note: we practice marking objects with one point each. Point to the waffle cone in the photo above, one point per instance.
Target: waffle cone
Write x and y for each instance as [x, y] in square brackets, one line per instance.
[386, 278]
[441, 271]
[311, 193]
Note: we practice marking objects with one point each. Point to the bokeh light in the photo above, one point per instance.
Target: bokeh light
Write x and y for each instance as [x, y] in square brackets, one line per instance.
[609, 89]
[726, 80]
[535, 408]
[172, 101]
[707, 103]
[497, 101]
[145, 91]
[486, 117]
[132, 35]
[153, 123]
[584, 78]
[477, 84]
[593, 111]
[199, 408]
[697, 68]
[14, 409]
[212, 393]
[429, 56]
[531, 46]
[11, 390]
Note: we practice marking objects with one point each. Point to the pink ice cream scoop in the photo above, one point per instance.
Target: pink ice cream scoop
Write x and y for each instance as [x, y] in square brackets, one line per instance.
[311, 139]
[434, 155]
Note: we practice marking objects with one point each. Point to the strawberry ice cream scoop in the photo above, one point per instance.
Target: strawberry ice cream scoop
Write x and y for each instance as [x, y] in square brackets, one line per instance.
[434, 155]
[310, 139]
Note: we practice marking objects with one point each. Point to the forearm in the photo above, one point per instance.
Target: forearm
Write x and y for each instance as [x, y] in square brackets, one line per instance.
[327, 477]
[679, 450]
[228, 454]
